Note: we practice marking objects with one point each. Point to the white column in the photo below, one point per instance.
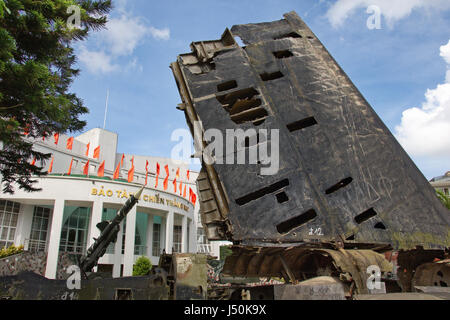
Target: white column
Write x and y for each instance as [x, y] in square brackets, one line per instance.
[96, 217]
[194, 243]
[149, 236]
[128, 258]
[169, 232]
[23, 231]
[184, 235]
[55, 238]
[118, 253]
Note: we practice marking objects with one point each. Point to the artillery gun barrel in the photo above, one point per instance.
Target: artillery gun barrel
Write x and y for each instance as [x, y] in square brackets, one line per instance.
[107, 235]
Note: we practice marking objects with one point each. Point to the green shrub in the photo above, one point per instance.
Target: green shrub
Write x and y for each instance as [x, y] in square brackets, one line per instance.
[444, 198]
[6, 252]
[225, 251]
[142, 267]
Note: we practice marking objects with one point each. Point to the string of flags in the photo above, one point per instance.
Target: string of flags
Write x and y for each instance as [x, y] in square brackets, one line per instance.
[177, 182]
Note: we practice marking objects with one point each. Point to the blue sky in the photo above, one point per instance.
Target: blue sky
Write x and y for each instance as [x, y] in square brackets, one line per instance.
[400, 69]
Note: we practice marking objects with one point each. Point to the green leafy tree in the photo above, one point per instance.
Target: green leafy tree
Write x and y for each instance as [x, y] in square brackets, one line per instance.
[36, 70]
[225, 251]
[444, 198]
[142, 266]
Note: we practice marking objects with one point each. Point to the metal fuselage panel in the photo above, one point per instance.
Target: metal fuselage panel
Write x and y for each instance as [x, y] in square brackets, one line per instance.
[342, 175]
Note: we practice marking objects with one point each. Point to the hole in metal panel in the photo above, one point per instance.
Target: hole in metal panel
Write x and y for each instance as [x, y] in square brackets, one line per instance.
[262, 192]
[123, 294]
[366, 215]
[289, 35]
[271, 76]
[339, 185]
[231, 98]
[301, 124]
[249, 115]
[380, 225]
[296, 222]
[282, 197]
[227, 85]
[283, 54]
[243, 106]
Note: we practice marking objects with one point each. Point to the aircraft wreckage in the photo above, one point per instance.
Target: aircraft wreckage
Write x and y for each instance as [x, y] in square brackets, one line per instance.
[345, 192]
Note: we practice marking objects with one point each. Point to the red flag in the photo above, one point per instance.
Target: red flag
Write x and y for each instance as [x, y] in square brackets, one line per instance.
[121, 160]
[116, 172]
[184, 192]
[177, 175]
[97, 153]
[187, 174]
[192, 196]
[26, 131]
[86, 168]
[34, 161]
[50, 168]
[56, 136]
[157, 175]
[101, 170]
[69, 143]
[87, 149]
[131, 174]
[166, 180]
[146, 171]
[70, 167]
[181, 188]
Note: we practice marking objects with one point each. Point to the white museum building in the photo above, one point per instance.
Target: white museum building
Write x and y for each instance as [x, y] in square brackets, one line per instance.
[63, 216]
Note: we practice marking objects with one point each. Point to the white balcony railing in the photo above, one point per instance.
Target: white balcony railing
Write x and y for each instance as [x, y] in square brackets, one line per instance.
[35, 245]
[204, 248]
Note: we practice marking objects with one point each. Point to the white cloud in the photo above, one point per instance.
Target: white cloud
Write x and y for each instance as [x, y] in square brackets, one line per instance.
[123, 35]
[96, 61]
[161, 34]
[392, 10]
[119, 40]
[425, 131]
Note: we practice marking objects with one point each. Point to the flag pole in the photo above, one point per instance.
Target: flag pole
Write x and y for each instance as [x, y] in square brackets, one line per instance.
[106, 108]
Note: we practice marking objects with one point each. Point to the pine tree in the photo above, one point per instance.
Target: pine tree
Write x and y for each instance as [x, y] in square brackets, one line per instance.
[36, 70]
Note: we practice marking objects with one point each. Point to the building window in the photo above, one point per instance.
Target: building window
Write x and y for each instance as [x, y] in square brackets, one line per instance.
[446, 191]
[109, 215]
[201, 237]
[156, 245]
[187, 237]
[139, 247]
[74, 231]
[177, 239]
[39, 229]
[9, 214]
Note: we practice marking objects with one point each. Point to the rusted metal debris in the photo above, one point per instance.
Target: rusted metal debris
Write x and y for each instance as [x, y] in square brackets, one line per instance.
[305, 263]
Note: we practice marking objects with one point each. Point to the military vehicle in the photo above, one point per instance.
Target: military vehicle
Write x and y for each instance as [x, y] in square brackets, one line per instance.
[177, 277]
